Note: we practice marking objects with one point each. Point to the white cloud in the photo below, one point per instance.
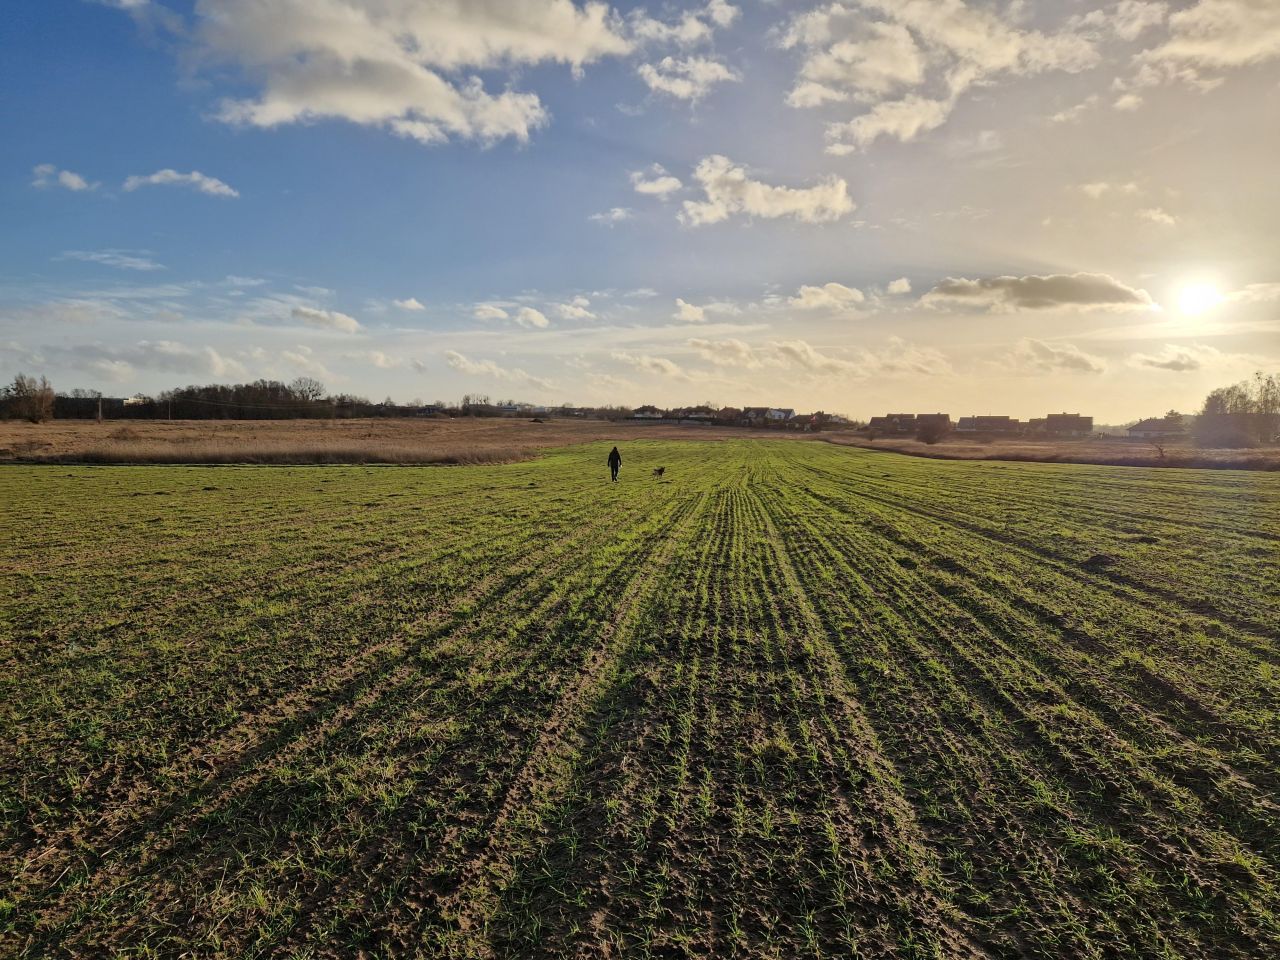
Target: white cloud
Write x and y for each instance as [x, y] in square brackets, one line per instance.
[730, 352]
[690, 78]
[689, 30]
[902, 359]
[68, 310]
[692, 28]
[529, 317]
[303, 358]
[205, 184]
[886, 53]
[1074, 113]
[612, 215]
[1100, 188]
[897, 358]
[48, 175]
[487, 368]
[650, 364]
[1127, 102]
[689, 313]
[579, 308]
[489, 311]
[412, 304]
[872, 59]
[1054, 356]
[155, 291]
[903, 119]
[1077, 290]
[899, 286]
[1217, 35]
[801, 354]
[1256, 293]
[410, 67]
[235, 281]
[325, 319]
[121, 363]
[722, 13]
[378, 358]
[729, 190]
[829, 296]
[1126, 20]
[1157, 215]
[659, 183]
[1191, 357]
[120, 259]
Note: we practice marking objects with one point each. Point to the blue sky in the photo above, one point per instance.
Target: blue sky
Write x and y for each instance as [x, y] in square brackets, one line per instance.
[967, 206]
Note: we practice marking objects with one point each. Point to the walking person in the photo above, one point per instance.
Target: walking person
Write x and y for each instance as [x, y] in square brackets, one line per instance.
[615, 463]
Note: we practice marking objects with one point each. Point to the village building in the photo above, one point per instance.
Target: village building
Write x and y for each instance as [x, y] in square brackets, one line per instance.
[1068, 425]
[1158, 428]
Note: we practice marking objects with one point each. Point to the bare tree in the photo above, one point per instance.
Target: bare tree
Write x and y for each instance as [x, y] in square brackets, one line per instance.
[30, 399]
[307, 388]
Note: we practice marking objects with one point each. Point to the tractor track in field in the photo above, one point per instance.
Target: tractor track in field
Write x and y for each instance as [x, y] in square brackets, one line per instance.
[471, 903]
[1110, 581]
[432, 896]
[981, 618]
[961, 941]
[341, 708]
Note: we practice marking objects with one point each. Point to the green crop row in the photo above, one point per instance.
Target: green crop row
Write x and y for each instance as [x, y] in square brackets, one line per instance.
[789, 700]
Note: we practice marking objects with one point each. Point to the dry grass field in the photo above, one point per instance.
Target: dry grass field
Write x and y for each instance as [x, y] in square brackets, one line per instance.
[1118, 452]
[461, 441]
[474, 441]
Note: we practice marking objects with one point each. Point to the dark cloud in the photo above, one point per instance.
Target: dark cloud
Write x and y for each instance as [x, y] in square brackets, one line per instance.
[1075, 290]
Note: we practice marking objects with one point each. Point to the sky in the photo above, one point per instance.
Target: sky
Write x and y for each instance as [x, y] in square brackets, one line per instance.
[999, 207]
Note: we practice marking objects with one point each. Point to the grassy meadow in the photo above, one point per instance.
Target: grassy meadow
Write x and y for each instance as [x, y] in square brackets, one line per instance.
[791, 700]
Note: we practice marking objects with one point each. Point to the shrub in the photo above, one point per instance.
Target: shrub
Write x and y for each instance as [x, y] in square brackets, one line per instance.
[931, 433]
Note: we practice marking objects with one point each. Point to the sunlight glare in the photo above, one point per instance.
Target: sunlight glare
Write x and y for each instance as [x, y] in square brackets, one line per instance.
[1196, 298]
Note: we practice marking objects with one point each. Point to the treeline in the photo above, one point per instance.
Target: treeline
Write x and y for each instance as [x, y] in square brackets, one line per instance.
[1244, 414]
[29, 398]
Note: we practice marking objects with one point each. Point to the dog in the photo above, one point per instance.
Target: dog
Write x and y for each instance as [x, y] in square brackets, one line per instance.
[658, 472]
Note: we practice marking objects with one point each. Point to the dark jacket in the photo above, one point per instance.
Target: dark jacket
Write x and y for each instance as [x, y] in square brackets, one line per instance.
[615, 458]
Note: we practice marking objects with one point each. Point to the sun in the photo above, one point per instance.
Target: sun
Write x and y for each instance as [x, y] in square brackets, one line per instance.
[1197, 298]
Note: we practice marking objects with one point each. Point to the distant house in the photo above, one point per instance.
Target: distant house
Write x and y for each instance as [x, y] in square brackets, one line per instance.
[893, 423]
[1068, 425]
[137, 400]
[1158, 428]
[648, 412]
[933, 419]
[990, 425]
[780, 414]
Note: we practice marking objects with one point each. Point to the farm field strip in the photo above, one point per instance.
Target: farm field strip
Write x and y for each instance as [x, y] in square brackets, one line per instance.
[793, 700]
[1052, 596]
[986, 514]
[541, 589]
[985, 679]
